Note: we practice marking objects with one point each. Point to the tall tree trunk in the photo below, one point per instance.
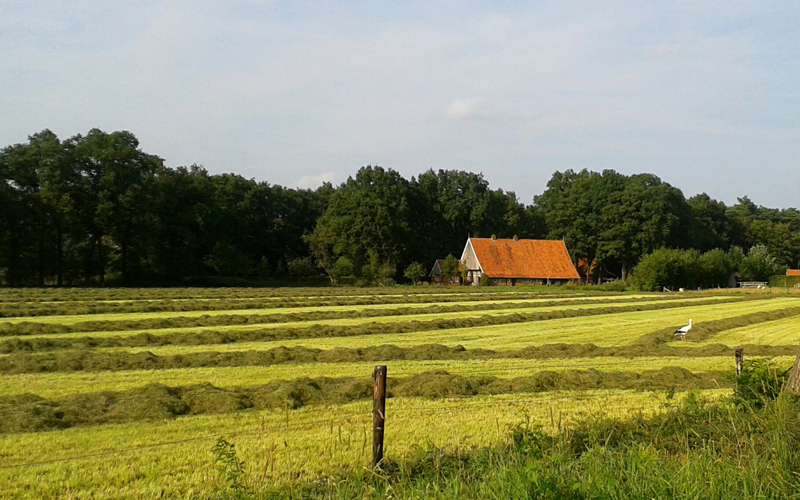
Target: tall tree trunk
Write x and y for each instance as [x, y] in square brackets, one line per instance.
[793, 385]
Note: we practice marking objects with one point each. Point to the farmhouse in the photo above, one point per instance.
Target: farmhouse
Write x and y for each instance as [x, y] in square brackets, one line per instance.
[437, 274]
[517, 262]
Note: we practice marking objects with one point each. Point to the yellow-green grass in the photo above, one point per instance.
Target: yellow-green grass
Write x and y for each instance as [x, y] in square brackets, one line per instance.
[136, 316]
[352, 321]
[779, 332]
[57, 384]
[611, 329]
[279, 447]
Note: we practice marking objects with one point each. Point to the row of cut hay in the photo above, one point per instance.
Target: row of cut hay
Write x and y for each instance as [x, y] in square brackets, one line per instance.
[60, 384]
[92, 361]
[123, 294]
[604, 327]
[13, 311]
[31, 413]
[68, 314]
[245, 328]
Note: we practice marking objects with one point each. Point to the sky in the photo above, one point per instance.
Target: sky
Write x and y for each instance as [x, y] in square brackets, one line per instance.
[705, 95]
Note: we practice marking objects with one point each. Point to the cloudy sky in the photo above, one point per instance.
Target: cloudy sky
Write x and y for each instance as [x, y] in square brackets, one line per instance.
[704, 94]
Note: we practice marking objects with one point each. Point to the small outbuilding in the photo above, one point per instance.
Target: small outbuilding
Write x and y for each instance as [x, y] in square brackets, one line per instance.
[437, 275]
[518, 261]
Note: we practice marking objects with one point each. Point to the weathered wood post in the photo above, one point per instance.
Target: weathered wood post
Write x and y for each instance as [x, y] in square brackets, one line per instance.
[793, 384]
[739, 353]
[378, 414]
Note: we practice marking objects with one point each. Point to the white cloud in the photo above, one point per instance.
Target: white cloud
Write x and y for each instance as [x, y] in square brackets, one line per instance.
[461, 109]
[314, 181]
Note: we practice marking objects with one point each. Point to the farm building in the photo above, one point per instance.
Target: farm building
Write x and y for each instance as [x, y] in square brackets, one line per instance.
[437, 275]
[793, 272]
[518, 262]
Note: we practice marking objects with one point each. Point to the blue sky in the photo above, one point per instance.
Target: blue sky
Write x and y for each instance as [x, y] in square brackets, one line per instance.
[704, 94]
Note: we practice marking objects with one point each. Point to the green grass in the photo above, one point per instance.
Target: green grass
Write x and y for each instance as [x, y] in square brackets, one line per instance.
[613, 329]
[323, 322]
[324, 444]
[138, 316]
[780, 332]
[278, 447]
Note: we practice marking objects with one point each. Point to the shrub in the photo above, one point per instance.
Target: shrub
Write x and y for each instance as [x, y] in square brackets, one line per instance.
[375, 270]
[666, 268]
[302, 268]
[759, 265]
[342, 268]
[414, 272]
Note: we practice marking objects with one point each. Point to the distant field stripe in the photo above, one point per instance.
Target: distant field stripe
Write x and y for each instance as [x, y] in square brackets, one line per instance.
[608, 329]
[136, 316]
[53, 385]
[280, 297]
[254, 324]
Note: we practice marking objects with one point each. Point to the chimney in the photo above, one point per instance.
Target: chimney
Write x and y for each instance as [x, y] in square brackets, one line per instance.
[516, 238]
[494, 237]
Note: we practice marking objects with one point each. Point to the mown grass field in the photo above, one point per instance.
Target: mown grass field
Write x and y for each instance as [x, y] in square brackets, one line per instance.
[123, 392]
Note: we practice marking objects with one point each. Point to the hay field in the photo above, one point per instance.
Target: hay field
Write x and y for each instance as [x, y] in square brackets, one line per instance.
[122, 393]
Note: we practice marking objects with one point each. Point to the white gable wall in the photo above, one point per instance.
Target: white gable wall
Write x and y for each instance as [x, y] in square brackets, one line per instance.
[469, 259]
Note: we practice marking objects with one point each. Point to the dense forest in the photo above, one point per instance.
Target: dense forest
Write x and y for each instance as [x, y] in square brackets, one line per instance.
[95, 209]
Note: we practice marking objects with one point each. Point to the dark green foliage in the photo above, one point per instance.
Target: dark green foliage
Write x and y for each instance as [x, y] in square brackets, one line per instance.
[759, 265]
[450, 268]
[687, 269]
[97, 210]
[302, 268]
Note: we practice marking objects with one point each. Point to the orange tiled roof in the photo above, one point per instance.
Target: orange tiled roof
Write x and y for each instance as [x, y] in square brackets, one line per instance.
[524, 258]
[793, 272]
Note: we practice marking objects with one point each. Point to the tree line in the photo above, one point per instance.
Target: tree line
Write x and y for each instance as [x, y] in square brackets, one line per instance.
[95, 209]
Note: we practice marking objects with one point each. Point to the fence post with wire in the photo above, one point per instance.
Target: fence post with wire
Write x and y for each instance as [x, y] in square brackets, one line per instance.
[378, 414]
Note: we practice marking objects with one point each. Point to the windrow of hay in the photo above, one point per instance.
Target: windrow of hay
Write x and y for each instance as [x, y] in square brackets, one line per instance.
[93, 361]
[705, 330]
[234, 317]
[18, 295]
[204, 337]
[22, 309]
[30, 413]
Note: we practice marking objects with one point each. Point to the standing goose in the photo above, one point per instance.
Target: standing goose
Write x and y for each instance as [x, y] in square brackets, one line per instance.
[682, 331]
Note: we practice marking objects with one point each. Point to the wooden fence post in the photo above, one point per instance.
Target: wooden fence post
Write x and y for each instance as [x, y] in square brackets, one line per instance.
[739, 353]
[378, 414]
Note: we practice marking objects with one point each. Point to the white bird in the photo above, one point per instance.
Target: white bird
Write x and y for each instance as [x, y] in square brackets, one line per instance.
[682, 331]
